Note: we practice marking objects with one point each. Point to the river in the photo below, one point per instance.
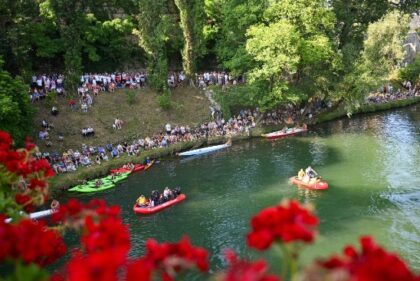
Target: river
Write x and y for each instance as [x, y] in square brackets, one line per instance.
[370, 161]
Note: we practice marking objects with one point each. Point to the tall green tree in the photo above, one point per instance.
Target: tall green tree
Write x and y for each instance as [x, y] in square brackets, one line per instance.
[296, 51]
[227, 23]
[73, 18]
[156, 25]
[382, 56]
[15, 109]
[191, 13]
[25, 38]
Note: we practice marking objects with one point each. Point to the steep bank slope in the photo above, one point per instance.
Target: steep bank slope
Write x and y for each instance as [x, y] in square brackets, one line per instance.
[138, 109]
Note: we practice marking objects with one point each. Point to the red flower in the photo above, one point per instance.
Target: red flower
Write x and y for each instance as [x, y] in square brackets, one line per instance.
[140, 270]
[241, 270]
[170, 258]
[29, 145]
[104, 235]
[372, 263]
[5, 140]
[286, 222]
[103, 266]
[31, 242]
[73, 213]
[25, 201]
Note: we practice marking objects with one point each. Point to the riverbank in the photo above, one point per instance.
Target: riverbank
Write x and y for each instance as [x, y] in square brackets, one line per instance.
[64, 181]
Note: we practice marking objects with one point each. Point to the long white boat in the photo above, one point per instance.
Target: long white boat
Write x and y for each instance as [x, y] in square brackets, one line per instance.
[205, 150]
[284, 133]
[36, 215]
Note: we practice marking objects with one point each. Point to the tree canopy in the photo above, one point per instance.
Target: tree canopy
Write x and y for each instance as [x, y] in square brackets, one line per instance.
[290, 50]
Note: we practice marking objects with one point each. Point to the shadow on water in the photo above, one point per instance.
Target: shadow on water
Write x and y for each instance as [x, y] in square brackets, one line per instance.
[225, 189]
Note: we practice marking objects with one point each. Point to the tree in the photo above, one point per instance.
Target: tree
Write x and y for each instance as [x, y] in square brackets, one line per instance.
[15, 109]
[73, 18]
[226, 29]
[191, 14]
[381, 58]
[155, 23]
[296, 51]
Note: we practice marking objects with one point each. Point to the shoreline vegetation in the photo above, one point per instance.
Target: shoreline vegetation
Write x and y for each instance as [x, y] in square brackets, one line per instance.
[64, 181]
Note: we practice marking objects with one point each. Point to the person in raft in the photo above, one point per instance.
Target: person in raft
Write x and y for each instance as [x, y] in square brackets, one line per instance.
[157, 198]
[98, 183]
[142, 201]
[129, 166]
[310, 175]
[148, 161]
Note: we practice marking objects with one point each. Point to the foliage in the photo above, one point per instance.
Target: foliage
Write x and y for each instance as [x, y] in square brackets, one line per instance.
[191, 21]
[155, 25]
[411, 72]
[51, 99]
[233, 99]
[330, 45]
[226, 29]
[381, 58]
[131, 97]
[164, 100]
[295, 51]
[15, 109]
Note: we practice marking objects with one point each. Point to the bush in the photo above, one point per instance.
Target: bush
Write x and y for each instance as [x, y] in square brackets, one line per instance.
[131, 97]
[164, 100]
[51, 99]
[411, 72]
[235, 98]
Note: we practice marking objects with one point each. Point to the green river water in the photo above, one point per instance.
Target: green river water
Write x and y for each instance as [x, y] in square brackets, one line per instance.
[370, 161]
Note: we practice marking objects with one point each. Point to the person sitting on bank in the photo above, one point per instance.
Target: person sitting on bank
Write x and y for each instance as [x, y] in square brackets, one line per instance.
[142, 201]
[54, 111]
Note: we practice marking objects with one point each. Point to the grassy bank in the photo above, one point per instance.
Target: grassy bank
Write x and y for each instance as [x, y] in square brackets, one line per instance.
[138, 109]
[365, 108]
[64, 181]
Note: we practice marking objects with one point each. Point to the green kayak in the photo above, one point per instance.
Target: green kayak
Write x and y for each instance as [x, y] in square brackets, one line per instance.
[107, 183]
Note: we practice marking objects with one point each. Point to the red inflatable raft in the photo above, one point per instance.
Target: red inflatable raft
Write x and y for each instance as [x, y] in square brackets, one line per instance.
[155, 209]
[137, 167]
[321, 185]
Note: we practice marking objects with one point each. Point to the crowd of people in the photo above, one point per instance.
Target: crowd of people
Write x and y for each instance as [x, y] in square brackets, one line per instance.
[221, 78]
[387, 93]
[94, 83]
[41, 85]
[236, 125]
[89, 155]
[157, 198]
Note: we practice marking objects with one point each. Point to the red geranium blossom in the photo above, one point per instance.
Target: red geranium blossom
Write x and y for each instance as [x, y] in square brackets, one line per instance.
[25, 175]
[287, 222]
[104, 235]
[241, 270]
[74, 213]
[31, 242]
[99, 266]
[372, 263]
[170, 258]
